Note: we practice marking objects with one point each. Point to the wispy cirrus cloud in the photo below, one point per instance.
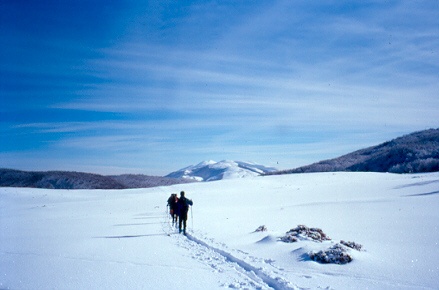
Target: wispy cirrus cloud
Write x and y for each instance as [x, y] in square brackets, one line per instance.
[220, 81]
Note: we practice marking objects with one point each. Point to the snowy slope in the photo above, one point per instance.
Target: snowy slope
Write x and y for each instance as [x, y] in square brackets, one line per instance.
[122, 239]
[226, 169]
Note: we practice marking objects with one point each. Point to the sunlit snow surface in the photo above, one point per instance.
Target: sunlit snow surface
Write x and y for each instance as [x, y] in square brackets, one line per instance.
[122, 239]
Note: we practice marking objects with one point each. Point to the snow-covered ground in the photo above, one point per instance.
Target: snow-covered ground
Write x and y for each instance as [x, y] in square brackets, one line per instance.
[122, 239]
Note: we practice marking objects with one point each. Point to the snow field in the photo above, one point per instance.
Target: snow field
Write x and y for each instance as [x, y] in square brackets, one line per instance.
[112, 239]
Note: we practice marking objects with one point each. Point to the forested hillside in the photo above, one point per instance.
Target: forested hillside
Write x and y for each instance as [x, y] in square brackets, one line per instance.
[80, 180]
[413, 153]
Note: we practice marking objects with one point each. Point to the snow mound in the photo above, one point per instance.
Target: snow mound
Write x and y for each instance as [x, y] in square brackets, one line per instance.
[302, 232]
[267, 240]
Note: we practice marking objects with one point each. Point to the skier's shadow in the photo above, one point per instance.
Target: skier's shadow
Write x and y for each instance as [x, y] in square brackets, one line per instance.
[136, 224]
[423, 194]
[130, 236]
[147, 215]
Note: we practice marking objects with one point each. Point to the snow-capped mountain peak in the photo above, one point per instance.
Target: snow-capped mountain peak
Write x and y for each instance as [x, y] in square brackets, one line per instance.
[226, 169]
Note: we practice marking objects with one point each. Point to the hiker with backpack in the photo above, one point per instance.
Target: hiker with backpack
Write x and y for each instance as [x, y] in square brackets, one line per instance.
[183, 204]
[172, 203]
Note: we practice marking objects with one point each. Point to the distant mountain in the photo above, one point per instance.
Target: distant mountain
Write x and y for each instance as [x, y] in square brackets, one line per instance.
[413, 153]
[80, 180]
[226, 169]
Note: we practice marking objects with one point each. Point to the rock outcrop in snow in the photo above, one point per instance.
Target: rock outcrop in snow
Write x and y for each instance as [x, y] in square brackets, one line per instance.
[336, 254]
[262, 228]
[302, 232]
[226, 169]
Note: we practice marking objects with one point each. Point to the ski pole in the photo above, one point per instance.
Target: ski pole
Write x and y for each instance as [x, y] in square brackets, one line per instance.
[192, 218]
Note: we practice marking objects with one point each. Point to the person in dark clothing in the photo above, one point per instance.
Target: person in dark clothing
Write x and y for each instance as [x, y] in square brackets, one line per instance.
[172, 203]
[183, 204]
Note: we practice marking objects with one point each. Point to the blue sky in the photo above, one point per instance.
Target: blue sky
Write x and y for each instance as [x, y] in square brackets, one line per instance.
[153, 86]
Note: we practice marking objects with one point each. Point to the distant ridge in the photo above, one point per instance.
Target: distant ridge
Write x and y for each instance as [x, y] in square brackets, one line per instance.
[144, 181]
[80, 180]
[226, 169]
[412, 153]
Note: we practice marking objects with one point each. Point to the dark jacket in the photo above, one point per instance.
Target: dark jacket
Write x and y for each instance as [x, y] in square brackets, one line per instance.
[183, 204]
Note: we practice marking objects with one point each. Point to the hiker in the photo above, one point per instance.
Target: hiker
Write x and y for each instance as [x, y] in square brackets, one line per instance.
[172, 203]
[183, 204]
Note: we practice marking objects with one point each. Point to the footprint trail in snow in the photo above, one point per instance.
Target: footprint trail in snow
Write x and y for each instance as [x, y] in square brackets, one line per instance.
[221, 260]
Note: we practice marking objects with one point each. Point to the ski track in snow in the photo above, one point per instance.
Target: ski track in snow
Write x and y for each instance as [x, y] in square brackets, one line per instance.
[220, 259]
[252, 272]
